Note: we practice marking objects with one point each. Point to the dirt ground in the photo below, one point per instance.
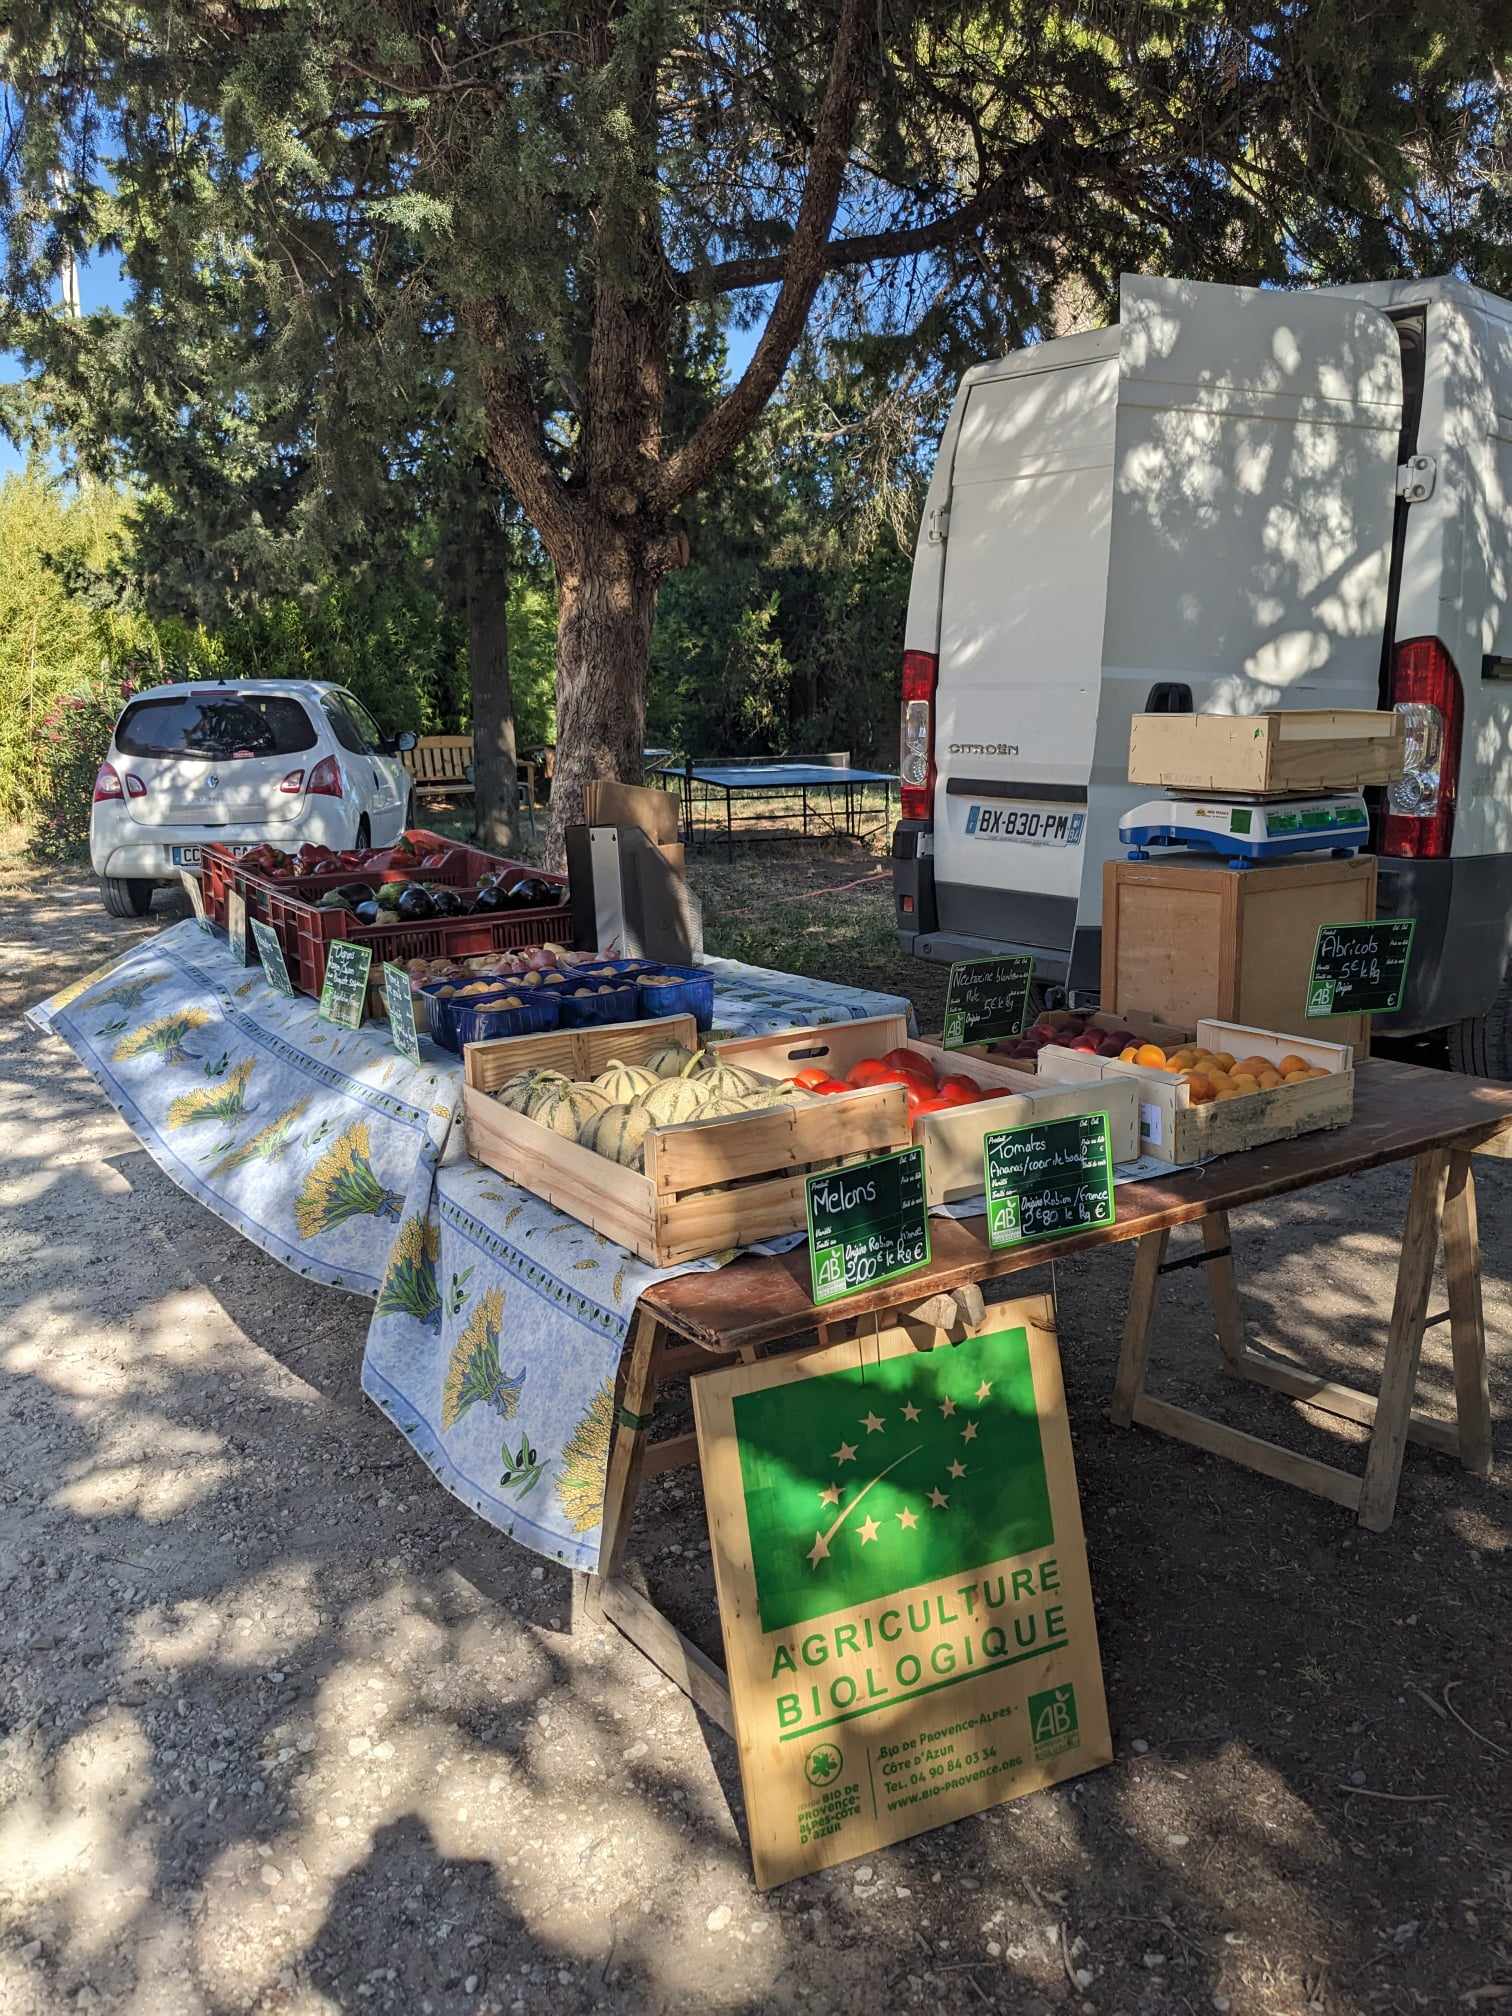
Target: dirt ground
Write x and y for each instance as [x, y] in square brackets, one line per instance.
[284, 1729]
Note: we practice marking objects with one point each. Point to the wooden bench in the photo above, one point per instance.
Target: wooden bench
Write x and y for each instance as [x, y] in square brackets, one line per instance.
[441, 767]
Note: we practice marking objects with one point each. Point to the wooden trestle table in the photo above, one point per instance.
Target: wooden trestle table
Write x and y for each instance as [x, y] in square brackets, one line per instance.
[1435, 1120]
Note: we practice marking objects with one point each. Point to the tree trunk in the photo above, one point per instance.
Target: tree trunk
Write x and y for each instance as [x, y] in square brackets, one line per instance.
[606, 601]
[495, 767]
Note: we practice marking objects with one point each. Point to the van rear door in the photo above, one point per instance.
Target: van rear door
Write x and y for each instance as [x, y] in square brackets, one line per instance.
[1021, 623]
[1198, 501]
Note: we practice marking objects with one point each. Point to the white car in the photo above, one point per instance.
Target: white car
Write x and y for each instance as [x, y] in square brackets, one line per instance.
[277, 760]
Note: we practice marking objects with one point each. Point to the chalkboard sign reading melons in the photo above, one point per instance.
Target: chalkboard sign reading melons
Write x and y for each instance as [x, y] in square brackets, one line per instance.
[986, 999]
[1360, 969]
[1048, 1179]
[867, 1223]
[343, 996]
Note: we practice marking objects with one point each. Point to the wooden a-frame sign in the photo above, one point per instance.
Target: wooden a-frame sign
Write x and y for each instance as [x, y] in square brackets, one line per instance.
[903, 1584]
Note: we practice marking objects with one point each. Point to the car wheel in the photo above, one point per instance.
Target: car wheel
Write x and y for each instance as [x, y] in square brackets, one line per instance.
[364, 833]
[126, 896]
[1481, 1045]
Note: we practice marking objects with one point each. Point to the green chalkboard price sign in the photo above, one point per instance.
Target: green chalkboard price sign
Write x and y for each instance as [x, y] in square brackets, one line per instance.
[1360, 969]
[985, 999]
[867, 1223]
[400, 1003]
[270, 952]
[1048, 1179]
[343, 996]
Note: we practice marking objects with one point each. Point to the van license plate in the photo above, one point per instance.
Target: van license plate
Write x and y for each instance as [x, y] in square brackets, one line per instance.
[1030, 825]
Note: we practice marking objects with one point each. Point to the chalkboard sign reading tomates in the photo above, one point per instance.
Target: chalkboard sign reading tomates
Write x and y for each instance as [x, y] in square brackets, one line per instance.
[985, 999]
[343, 995]
[1048, 1179]
[1360, 969]
[867, 1223]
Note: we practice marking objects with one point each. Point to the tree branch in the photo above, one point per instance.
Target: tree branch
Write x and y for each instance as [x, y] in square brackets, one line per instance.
[512, 430]
[802, 269]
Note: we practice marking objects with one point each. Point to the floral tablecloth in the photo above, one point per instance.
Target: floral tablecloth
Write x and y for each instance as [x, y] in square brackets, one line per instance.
[499, 1321]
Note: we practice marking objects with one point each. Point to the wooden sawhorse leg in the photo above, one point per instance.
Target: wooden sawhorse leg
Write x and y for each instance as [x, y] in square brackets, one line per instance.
[608, 1597]
[1443, 1197]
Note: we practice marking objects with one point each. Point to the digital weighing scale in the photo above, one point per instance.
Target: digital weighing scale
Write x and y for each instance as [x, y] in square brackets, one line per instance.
[1248, 831]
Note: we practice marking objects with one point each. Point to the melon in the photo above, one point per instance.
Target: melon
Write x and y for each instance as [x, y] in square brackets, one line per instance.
[673, 1100]
[516, 1093]
[620, 1083]
[728, 1081]
[619, 1133]
[671, 1060]
[566, 1108]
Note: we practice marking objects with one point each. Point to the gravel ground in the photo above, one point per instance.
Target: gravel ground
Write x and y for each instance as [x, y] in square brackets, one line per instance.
[284, 1729]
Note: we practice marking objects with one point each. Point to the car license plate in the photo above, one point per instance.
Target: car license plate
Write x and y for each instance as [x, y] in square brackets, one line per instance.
[1031, 825]
[191, 857]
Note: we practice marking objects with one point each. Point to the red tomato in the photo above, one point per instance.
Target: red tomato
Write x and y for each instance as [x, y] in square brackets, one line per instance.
[829, 1086]
[954, 1093]
[922, 1101]
[941, 1103]
[870, 1071]
[811, 1079]
[959, 1081]
[910, 1060]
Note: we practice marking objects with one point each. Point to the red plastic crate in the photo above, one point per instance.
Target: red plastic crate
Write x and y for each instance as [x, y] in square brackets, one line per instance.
[305, 931]
[222, 871]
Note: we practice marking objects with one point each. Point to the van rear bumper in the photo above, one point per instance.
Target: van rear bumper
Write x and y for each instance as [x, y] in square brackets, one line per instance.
[1460, 949]
[945, 922]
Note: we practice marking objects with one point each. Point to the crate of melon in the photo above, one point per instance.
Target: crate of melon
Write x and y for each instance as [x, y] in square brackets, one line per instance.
[953, 1100]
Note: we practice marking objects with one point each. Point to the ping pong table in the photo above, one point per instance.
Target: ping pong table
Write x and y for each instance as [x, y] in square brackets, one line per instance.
[832, 794]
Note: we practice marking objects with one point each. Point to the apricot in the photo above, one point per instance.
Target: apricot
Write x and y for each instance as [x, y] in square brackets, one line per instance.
[1295, 1077]
[1200, 1092]
[1130, 1055]
[1253, 1066]
[1150, 1054]
[1269, 1080]
[1244, 1081]
[1289, 1064]
[1223, 1060]
[1182, 1060]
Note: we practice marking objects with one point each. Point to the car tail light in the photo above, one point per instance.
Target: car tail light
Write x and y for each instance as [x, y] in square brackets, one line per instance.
[916, 765]
[1426, 694]
[293, 783]
[325, 779]
[135, 788]
[107, 784]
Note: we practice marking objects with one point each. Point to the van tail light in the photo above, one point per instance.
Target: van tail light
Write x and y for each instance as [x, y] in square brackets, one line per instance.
[135, 788]
[107, 784]
[325, 779]
[293, 783]
[916, 764]
[1426, 694]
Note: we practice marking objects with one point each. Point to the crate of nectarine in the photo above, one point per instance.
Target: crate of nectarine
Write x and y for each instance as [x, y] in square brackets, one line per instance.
[1094, 1034]
[1230, 1087]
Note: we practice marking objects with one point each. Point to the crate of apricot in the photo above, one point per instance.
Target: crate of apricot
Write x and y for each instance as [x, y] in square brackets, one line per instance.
[1230, 1088]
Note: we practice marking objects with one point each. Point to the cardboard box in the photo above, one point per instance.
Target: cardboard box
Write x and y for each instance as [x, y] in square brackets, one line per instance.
[920, 1648]
[1260, 755]
[1191, 938]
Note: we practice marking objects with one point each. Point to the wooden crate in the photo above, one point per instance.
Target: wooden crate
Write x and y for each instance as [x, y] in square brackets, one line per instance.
[952, 1142]
[679, 1209]
[1190, 939]
[1302, 749]
[1148, 1028]
[1174, 1130]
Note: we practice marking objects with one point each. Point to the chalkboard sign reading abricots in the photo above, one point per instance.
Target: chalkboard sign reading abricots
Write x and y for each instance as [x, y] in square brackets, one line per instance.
[270, 952]
[1360, 969]
[343, 997]
[986, 999]
[867, 1223]
[400, 1003]
[1047, 1179]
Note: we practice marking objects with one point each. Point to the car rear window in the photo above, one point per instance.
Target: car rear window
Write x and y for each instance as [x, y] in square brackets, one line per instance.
[218, 726]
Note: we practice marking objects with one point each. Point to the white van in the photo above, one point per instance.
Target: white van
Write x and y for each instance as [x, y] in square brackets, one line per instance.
[1235, 500]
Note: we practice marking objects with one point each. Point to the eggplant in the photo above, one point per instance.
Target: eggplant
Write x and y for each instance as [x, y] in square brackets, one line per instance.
[447, 902]
[368, 913]
[333, 900]
[488, 899]
[415, 904]
[356, 892]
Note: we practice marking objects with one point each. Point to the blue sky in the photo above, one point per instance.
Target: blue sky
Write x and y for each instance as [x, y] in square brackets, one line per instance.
[101, 285]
